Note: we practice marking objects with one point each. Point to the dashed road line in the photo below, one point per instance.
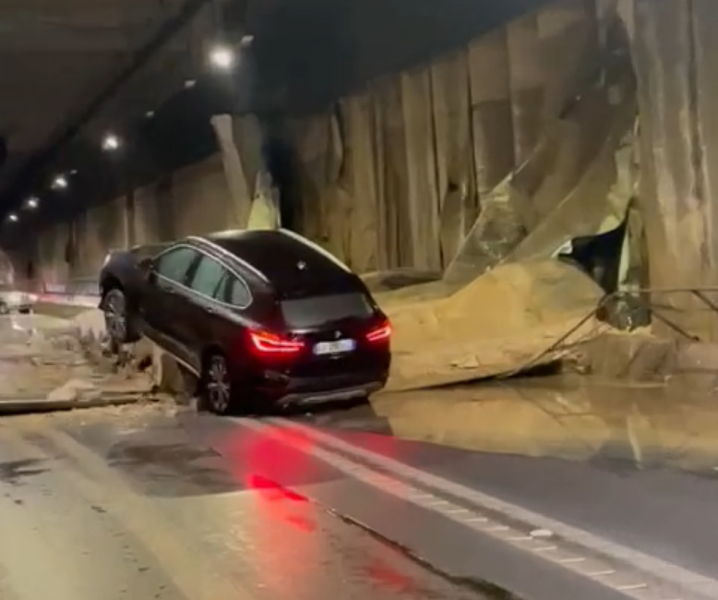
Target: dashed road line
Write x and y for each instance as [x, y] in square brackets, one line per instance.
[633, 573]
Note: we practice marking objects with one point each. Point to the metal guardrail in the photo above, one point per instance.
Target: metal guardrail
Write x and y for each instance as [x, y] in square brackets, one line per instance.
[641, 299]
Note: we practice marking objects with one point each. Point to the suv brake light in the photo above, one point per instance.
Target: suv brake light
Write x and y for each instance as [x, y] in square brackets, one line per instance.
[271, 343]
[379, 334]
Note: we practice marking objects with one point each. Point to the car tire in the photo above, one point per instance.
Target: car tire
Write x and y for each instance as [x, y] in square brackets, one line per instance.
[120, 321]
[217, 393]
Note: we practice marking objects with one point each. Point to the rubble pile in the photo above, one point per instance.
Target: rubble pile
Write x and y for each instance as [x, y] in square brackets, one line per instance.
[45, 359]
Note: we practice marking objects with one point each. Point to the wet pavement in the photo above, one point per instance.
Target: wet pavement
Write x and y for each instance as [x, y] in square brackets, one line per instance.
[124, 504]
[545, 488]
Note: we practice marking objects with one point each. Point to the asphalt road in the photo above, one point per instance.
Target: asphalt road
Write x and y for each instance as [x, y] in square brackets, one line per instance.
[158, 502]
[119, 504]
[544, 489]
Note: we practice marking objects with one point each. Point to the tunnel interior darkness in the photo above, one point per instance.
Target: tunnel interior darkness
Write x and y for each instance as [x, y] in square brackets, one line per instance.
[305, 55]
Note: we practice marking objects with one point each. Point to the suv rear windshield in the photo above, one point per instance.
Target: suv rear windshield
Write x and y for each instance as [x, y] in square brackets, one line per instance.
[318, 310]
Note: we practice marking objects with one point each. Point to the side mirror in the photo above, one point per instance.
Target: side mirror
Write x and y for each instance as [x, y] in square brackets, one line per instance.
[146, 268]
[146, 264]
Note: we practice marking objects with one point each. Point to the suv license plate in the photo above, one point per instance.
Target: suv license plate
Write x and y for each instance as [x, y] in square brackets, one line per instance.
[338, 347]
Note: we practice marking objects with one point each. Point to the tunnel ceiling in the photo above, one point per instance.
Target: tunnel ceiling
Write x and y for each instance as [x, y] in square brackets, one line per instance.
[59, 60]
[57, 57]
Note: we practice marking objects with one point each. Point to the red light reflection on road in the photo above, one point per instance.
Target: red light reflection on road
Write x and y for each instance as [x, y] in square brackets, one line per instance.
[384, 575]
[286, 539]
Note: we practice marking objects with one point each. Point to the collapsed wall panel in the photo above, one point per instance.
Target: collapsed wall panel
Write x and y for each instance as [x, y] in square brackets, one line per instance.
[510, 318]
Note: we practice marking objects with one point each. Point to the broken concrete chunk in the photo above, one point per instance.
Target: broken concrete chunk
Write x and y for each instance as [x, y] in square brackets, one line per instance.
[73, 391]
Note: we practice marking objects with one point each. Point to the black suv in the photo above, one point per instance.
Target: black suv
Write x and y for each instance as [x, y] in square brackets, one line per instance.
[257, 315]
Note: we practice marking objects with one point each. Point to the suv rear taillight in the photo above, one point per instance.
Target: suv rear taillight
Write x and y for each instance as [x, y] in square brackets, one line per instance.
[380, 333]
[264, 342]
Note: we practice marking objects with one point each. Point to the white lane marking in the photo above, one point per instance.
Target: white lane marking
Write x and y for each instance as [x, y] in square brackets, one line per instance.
[634, 586]
[495, 528]
[702, 586]
[367, 475]
[572, 559]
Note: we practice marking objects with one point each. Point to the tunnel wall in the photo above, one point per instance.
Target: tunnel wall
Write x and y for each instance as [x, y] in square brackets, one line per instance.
[675, 52]
[394, 176]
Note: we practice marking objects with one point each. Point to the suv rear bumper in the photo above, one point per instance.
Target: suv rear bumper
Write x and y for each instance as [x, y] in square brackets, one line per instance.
[315, 390]
[352, 393]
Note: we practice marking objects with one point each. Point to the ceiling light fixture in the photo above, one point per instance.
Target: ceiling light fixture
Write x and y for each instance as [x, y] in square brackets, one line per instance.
[222, 57]
[13, 218]
[111, 142]
[32, 203]
[60, 183]
[190, 83]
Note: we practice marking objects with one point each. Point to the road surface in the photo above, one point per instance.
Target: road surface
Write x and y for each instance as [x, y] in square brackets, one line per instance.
[124, 504]
[540, 490]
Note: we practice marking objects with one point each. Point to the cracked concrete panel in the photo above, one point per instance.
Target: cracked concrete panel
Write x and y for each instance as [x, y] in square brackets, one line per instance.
[356, 177]
[98, 230]
[458, 199]
[146, 224]
[494, 235]
[598, 202]
[705, 16]
[423, 194]
[248, 140]
[325, 207]
[202, 199]
[235, 172]
[491, 116]
[526, 81]
[566, 151]
[567, 34]
[671, 187]
[558, 165]
[391, 169]
[264, 213]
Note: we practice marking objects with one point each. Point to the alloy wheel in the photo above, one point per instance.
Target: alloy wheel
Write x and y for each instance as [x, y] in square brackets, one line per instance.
[218, 388]
[116, 317]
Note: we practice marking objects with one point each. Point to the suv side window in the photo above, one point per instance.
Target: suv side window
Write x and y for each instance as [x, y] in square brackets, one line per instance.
[174, 264]
[238, 293]
[207, 277]
[234, 291]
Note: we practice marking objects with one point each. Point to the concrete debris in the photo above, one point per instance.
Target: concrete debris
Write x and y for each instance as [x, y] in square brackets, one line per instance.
[75, 390]
[47, 361]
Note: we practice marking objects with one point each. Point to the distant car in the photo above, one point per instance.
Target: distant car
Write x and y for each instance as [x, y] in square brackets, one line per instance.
[259, 316]
[13, 300]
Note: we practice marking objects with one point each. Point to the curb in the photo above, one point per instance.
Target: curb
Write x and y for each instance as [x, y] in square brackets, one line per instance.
[42, 405]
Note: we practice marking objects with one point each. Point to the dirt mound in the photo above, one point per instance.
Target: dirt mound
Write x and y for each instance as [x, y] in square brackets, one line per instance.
[497, 324]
